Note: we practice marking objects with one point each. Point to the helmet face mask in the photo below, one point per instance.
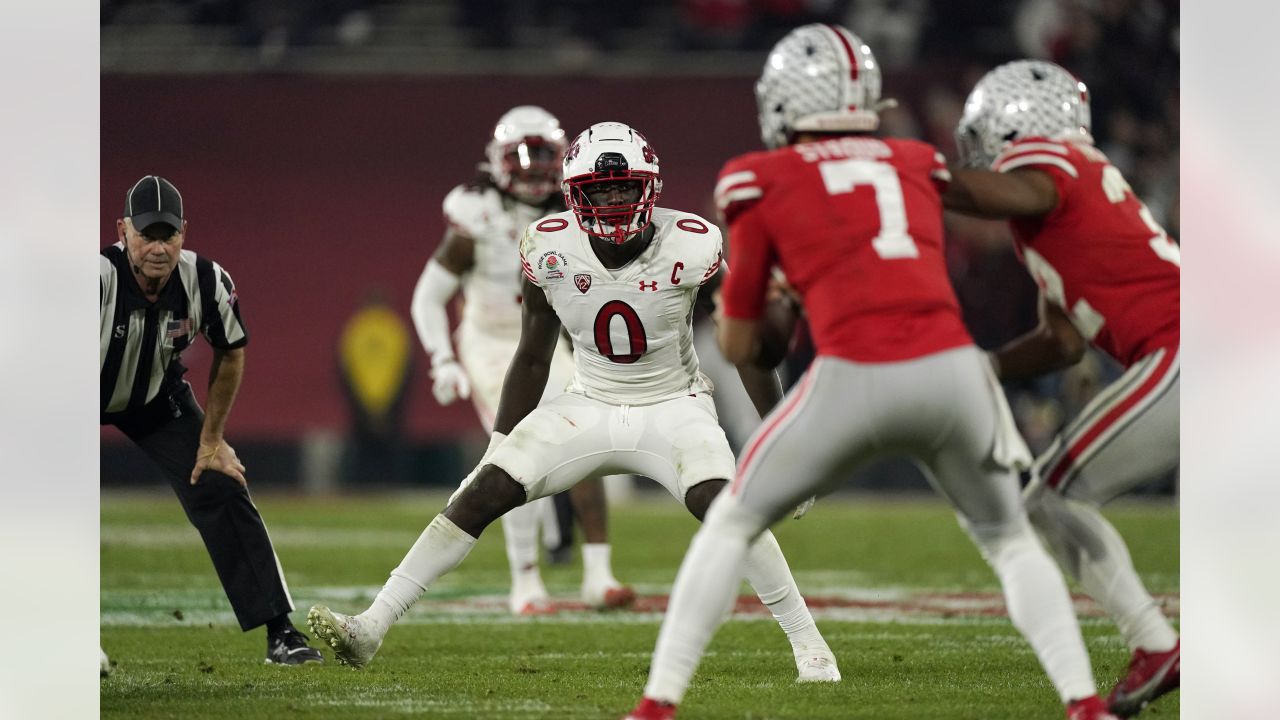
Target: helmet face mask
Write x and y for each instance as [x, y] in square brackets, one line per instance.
[532, 169]
[819, 78]
[611, 181]
[524, 154]
[1021, 99]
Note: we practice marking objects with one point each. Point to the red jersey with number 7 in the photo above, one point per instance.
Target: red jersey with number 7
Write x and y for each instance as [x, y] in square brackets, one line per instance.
[1099, 255]
[855, 224]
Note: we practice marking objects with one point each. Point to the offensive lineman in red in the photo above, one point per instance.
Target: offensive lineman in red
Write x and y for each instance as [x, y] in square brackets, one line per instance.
[1108, 274]
[855, 224]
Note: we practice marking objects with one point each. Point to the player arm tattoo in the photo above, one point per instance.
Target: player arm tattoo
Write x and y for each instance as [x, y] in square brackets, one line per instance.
[984, 193]
[1054, 344]
[224, 382]
[531, 365]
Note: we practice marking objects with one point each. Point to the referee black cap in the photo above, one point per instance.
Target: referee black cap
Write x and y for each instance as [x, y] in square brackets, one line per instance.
[153, 200]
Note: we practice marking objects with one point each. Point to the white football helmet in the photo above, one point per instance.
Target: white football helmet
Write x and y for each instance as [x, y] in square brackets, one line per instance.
[609, 152]
[1024, 98]
[819, 78]
[524, 153]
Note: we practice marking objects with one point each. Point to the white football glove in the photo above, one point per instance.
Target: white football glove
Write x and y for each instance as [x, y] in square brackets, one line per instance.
[449, 382]
[803, 507]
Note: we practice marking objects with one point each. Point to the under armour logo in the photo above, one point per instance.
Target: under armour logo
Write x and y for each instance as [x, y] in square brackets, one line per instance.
[651, 285]
[119, 333]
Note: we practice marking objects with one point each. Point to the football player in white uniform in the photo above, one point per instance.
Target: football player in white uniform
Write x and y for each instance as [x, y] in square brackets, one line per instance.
[621, 276]
[480, 254]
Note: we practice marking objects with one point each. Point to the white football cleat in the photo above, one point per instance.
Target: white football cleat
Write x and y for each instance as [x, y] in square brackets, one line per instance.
[354, 639]
[529, 596]
[104, 664]
[608, 595]
[817, 667]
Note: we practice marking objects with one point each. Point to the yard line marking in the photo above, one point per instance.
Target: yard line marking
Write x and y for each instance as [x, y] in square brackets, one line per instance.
[159, 609]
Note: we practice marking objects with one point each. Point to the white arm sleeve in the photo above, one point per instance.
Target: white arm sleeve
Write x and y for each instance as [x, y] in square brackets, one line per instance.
[435, 288]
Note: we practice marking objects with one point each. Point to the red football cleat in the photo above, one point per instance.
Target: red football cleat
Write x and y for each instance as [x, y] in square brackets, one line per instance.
[650, 709]
[619, 597]
[1090, 708]
[1151, 674]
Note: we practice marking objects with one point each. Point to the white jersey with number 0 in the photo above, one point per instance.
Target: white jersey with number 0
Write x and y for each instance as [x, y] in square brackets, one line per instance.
[631, 327]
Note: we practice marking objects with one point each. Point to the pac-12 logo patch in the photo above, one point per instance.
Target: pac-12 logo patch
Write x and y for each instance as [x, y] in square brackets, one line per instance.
[583, 281]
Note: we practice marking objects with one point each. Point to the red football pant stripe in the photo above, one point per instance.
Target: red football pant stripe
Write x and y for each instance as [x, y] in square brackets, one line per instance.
[771, 425]
[1083, 444]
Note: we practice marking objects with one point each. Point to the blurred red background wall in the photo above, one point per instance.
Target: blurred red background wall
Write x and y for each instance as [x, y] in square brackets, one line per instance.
[314, 191]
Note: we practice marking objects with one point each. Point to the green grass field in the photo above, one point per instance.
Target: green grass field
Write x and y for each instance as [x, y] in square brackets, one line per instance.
[908, 606]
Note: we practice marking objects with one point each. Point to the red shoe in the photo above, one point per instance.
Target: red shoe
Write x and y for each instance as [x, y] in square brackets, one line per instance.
[620, 597]
[1151, 674]
[650, 709]
[1090, 708]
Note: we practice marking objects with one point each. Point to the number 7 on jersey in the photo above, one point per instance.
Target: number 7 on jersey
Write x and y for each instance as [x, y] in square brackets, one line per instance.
[843, 176]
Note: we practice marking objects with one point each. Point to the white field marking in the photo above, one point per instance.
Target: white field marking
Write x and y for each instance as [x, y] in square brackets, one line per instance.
[144, 608]
[461, 706]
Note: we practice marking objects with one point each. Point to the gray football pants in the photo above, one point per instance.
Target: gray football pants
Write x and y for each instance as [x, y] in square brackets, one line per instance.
[941, 409]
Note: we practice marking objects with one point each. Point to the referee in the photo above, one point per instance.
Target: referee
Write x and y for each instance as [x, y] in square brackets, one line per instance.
[155, 298]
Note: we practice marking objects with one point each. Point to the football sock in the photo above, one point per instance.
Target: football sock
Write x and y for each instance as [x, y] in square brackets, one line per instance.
[1038, 603]
[520, 530]
[278, 624]
[596, 566]
[1089, 548]
[771, 578]
[701, 599]
[439, 549]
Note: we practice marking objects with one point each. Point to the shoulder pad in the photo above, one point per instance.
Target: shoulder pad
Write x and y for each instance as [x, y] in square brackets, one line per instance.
[737, 188]
[465, 208]
[700, 242]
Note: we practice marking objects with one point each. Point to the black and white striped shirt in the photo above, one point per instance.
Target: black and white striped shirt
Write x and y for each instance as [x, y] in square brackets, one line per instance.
[141, 341]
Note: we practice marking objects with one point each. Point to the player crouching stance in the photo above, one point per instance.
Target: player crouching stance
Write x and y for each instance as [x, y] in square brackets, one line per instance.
[622, 277]
[855, 224]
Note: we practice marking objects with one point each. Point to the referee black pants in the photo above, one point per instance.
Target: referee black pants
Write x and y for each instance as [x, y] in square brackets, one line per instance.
[218, 507]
